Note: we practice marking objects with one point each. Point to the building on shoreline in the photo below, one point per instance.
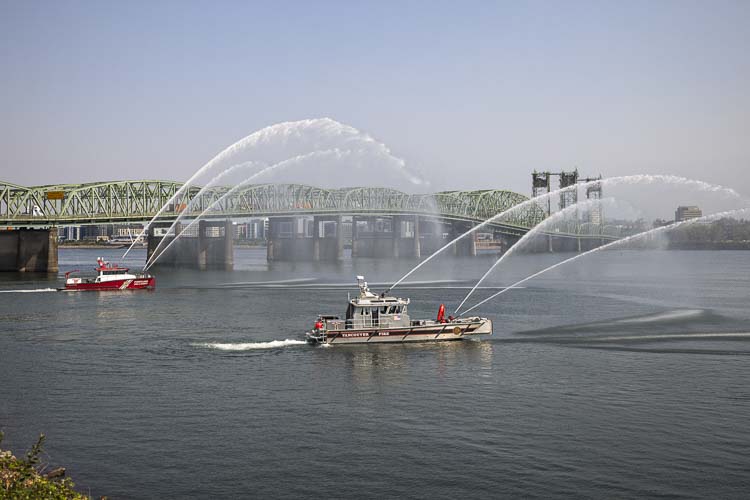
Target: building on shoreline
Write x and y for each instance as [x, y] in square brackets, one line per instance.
[684, 213]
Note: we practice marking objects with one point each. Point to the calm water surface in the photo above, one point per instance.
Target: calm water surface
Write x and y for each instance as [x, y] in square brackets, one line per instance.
[622, 375]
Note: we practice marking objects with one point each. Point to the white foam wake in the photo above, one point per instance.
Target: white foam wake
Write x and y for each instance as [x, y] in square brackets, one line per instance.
[273, 344]
[32, 290]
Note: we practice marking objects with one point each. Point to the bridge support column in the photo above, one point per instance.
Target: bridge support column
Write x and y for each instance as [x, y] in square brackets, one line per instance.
[373, 237]
[202, 246]
[291, 238]
[216, 245]
[158, 233]
[228, 245]
[417, 246]
[466, 246]
[355, 237]
[270, 247]
[29, 250]
[398, 223]
[211, 246]
[406, 237]
[328, 239]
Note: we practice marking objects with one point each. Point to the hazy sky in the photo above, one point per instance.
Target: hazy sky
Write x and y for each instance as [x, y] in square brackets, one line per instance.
[474, 94]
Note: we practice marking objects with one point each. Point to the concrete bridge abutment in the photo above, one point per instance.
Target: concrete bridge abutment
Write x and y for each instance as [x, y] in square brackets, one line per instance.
[29, 250]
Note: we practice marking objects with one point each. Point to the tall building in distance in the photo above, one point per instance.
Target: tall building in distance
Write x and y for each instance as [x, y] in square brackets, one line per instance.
[684, 213]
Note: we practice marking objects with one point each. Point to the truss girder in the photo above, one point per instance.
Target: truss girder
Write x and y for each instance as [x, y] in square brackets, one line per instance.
[137, 201]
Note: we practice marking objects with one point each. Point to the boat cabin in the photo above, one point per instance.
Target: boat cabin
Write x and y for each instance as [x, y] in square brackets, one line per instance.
[369, 310]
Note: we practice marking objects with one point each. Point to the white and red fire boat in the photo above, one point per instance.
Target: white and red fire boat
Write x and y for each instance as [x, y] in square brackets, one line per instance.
[109, 277]
[372, 318]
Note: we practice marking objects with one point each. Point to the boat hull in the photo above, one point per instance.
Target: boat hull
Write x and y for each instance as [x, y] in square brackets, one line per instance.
[429, 333]
[148, 283]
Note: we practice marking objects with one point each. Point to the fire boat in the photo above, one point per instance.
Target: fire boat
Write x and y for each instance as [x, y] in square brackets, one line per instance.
[372, 318]
[109, 277]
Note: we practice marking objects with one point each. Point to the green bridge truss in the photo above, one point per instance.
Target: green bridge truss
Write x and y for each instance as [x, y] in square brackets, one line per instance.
[139, 201]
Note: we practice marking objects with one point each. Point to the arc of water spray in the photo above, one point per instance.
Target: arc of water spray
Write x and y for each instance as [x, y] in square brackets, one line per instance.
[328, 126]
[210, 184]
[233, 148]
[674, 225]
[627, 179]
[553, 218]
[280, 165]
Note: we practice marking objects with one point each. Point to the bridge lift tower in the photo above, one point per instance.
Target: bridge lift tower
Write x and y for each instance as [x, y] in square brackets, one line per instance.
[594, 192]
[541, 183]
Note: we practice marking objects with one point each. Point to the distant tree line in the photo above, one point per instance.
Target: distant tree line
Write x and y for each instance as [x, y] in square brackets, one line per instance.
[729, 234]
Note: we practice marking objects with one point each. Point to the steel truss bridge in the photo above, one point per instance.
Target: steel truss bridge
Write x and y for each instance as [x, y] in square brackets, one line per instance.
[120, 202]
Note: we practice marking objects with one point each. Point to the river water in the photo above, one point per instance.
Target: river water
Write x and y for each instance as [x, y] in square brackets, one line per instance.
[624, 374]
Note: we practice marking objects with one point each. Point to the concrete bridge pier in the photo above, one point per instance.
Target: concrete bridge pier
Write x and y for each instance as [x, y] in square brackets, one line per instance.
[372, 237]
[466, 246]
[29, 250]
[432, 234]
[290, 239]
[215, 245]
[328, 239]
[211, 246]
[157, 232]
[406, 237]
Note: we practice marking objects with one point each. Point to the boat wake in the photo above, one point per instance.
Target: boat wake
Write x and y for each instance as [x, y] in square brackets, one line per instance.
[249, 346]
[633, 323]
[673, 315]
[32, 290]
[247, 284]
[732, 343]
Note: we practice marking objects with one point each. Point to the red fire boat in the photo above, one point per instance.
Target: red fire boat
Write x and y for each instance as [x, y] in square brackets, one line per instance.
[109, 277]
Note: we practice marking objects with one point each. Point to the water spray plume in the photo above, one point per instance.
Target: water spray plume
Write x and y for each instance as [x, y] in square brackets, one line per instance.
[651, 232]
[281, 165]
[611, 181]
[539, 228]
[210, 184]
[245, 142]
[323, 131]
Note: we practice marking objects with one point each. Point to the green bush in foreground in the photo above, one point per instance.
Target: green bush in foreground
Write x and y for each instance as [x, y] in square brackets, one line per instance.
[23, 478]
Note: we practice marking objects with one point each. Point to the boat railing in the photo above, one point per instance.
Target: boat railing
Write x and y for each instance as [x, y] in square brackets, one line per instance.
[359, 323]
